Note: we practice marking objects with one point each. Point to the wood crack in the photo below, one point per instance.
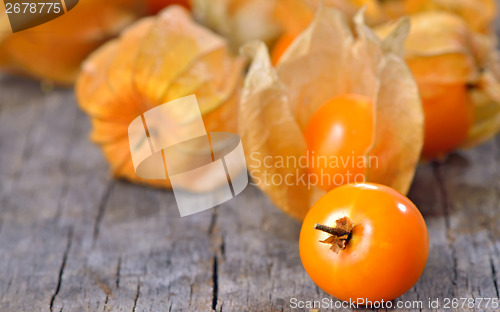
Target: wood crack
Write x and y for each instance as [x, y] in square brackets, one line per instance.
[6, 290]
[118, 268]
[65, 168]
[494, 274]
[137, 294]
[213, 221]
[437, 170]
[61, 269]
[105, 303]
[418, 297]
[215, 280]
[101, 210]
[223, 247]
[190, 294]
[219, 251]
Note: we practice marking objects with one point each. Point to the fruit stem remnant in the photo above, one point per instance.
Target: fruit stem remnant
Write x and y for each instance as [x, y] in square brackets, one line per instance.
[339, 235]
[330, 230]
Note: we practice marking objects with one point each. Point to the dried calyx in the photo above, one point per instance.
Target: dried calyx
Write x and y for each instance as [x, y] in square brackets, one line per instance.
[339, 235]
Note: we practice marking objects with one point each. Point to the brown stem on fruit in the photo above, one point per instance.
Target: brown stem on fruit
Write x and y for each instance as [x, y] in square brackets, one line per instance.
[339, 235]
[330, 230]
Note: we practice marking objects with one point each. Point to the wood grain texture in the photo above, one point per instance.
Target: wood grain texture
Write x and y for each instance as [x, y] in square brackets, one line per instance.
[73, 239]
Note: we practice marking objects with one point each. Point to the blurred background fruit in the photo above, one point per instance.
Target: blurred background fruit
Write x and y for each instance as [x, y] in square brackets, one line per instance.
[457, 73]
[239, 20]
[156, 60]
[54, 51]
[155, 6]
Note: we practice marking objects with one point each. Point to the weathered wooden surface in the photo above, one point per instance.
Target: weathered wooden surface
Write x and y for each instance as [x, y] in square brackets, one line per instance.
[72, 239]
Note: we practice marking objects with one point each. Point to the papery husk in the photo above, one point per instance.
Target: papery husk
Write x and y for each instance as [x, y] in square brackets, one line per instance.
[240, 21]
[484, 93]
[154, 61]
[327, 60]
[268, 127]
[478, 14]
[295, 15]
[54, 51]
[442, 50]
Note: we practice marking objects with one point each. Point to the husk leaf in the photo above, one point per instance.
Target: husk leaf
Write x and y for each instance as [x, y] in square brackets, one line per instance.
[142, 69]
[327, 60]
[268, 129]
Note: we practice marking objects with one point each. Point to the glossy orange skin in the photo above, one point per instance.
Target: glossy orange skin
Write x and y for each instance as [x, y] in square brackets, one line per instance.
[280, 47]
[342, 128]
[448, 117]
[154, 6]
[386, 254]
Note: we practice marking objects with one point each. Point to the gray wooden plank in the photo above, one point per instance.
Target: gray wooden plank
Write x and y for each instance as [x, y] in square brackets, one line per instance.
[438, 277]
[73, 239]
[145, 257]
[471, 185]
[38, 131]
[259, 266]
[31, 248]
